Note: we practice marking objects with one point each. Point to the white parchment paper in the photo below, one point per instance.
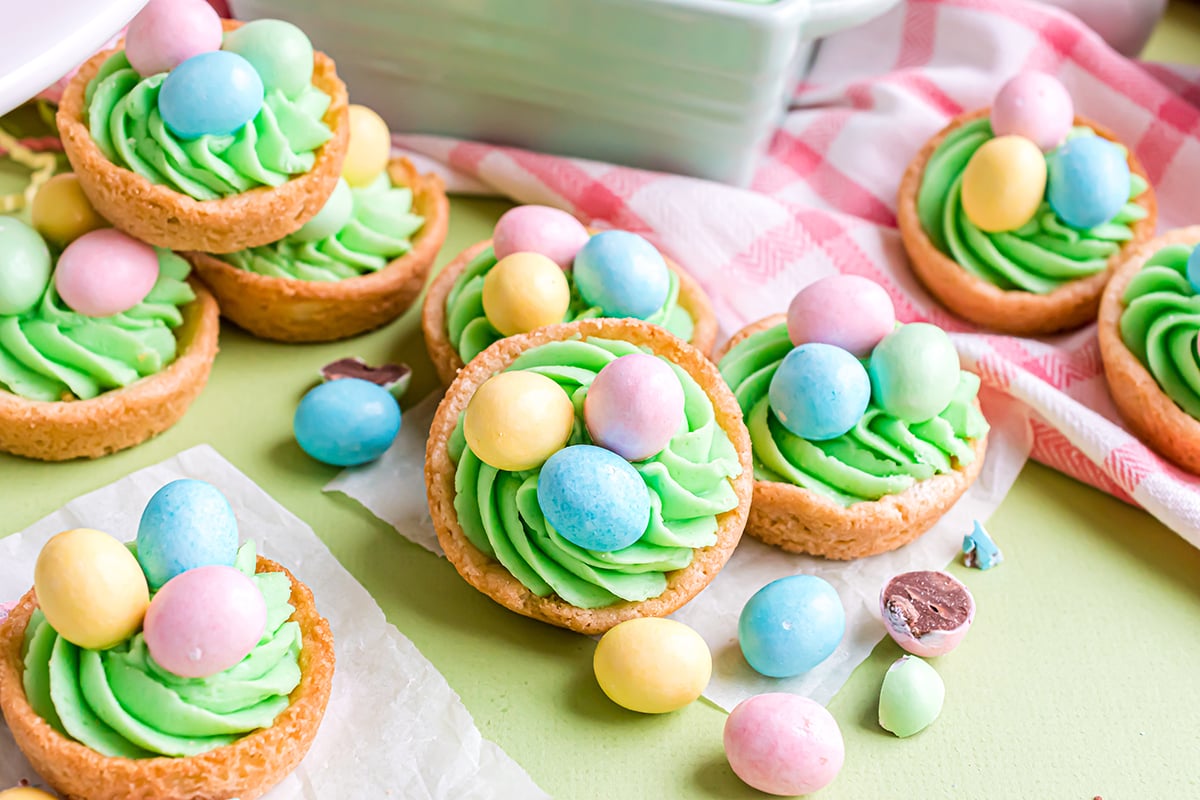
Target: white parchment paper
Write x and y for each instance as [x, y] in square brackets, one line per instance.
[394, 727]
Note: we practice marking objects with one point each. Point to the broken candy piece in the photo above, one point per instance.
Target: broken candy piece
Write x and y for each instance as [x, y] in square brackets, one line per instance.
[927, 613]
[911, 697]
[393, 377]
[979, 550]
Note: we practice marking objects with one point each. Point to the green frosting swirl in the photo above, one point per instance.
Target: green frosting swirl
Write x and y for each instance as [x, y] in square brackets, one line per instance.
[120, 703]
[53, 353]
[379, 230]
[1161, 322]
[881, 455]
[688, 482]
[1041, 255]
[123, 118]
[471, 333]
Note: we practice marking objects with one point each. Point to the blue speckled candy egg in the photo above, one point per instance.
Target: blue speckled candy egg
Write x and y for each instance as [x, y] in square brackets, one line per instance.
[1088, 181]
[187, 524]
[622, 274]
[346, 422]
[593, 498]
[1193, 270]
[213, 93]
[914, 372]
[819, 391]
[791, 625]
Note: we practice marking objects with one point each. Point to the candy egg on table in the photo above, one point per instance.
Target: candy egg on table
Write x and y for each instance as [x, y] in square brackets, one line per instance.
[61, 212]
[517, 420]
[819, 391]
[539, 229]
[911, 697]
[1036, 106]
[213, 93]
[926, 612]
[847, 311]
[622, 274]
[165, 33]
[523, 292]
[187, 524]
[634, 406]
[25, 266]
[1089, 181]
[914, 372]
[784, 744]
[791, 625]
[1193, 269]
[280, 52]
[1004, 183]
[593, 498]
[347, 422]
[369, 149]
[652, 665]
[25, 793]
[105, 272]
[91, 588]
[205, 621]
[332, 216]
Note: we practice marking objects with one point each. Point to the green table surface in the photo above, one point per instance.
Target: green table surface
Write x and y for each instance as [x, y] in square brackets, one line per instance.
[1078, 680]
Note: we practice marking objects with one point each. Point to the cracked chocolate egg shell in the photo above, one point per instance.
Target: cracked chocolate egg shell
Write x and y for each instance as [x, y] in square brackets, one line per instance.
[927, 613]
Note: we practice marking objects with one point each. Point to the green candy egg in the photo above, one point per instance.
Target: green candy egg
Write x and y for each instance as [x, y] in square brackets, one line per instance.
[24, 266]
[914, 372]
[332, 216]
[911, 697]
[279, 51]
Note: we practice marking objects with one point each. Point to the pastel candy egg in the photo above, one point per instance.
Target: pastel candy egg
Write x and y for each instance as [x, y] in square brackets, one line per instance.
[369, 149]
[911, 697]
[652, 665]
[516, 420]
[622, 274]
[279, 51]
[91, 588]
[791, 625]
[846, 311]
[928, 613]
[523, 292]
[105, 272]
[914, 372]
[819, 391]
[165, 33]
[1089, 181]
[61, 212]
[347, 422]
[1003, 183]
[784, 744]
[187, 524]
[1036, 106]
[331, 218]
[1193, 271]
[205, 621]
[634, 406]
[539, 229]
[593, 498]
[25, 793]
[25, 266]
[210, 94]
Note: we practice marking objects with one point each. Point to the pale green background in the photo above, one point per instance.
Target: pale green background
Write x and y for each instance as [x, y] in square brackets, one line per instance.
[1079, 678]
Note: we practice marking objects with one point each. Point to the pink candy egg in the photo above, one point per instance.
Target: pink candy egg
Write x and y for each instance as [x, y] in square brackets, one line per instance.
[205, 621]
[539, 229]
[168, 32]
[634, 406]
[1034, 105]
[105, 272]
[846, 311]
[784, 744]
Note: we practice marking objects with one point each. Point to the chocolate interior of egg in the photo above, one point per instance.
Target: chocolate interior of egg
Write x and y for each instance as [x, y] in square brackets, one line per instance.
[927, 601]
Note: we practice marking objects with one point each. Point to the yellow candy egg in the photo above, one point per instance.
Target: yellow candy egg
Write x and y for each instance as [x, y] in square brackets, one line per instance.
[61, 212]
[91, 588]
[525, 291]
[25, 793]
[369, 149]
[516, 420]
[1004, 183]
[652, 665]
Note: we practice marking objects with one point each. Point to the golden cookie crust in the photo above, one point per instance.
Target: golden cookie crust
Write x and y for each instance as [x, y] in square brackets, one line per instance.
[246, 769]
[490, 576]
[167, 218]
[1152, 416]
[446, 359]
[292, 310]
[121, 418]
[1016, 312]
[799, 521]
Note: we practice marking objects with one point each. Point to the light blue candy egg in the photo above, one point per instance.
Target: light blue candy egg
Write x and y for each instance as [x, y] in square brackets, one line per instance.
[622, 274]
[820, 391]
[1088, 181]
[346, 422]
[212, 93]
[593, 498]
[791, 625]
[332, 216]
[187, 524]
[1193, 270]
